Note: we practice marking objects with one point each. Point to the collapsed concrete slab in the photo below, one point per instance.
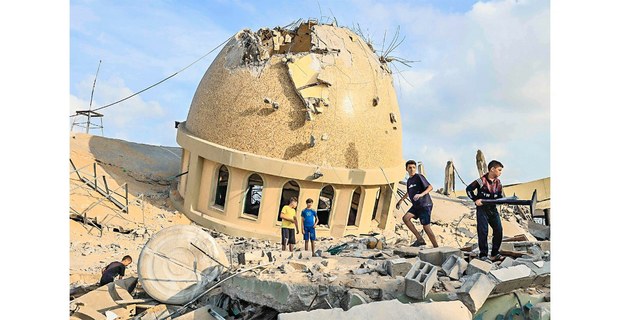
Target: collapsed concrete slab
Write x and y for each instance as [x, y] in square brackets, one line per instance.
[454, 267]
[159, 311]
[541, 270]
[104, 299]
[391, 309]
[475, 291]
[477, 265]
[508, 262]
[420, 279]
[281, 296]
[354, 297]
[398, 267]
[438, 256]
[512, 278]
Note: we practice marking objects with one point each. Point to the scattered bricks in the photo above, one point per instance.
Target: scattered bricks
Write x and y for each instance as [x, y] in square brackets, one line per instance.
[407, 252]
[398, 267]
[437, 256]
[454, 267]
[512, 278]
[508, 262]
[475, 291]
[420, 279]
[541, 311]
[477, 265]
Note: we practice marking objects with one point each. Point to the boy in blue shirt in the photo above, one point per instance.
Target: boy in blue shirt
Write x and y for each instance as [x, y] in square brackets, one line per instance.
[309, 221]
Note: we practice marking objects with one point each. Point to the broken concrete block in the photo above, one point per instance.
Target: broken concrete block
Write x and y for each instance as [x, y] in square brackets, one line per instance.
[511, 278]
[508, 262]
[407, 252]
[104, 298]
[398, 267]
[475, 291]
[361, 271]
[454, 267]
[420, 279]
[438, 256]
[541, 311]
[478, 265]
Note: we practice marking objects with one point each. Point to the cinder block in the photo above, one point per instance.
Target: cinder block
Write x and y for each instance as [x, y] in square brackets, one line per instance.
[475, 291]
[420, 279]
[478, 266]
[437, 256]
[398, 267]
[512, 278]
[454, 267]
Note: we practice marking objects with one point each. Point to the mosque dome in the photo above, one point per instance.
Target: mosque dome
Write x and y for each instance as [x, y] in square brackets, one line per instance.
[315, 94]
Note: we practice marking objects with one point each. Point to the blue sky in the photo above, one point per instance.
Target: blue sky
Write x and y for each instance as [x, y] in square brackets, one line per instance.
[482, 80]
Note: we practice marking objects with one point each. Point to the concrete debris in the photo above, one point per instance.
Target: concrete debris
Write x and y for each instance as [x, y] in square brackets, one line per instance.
[104, 299]
[204, 313]
[477, 265]
[438, 256]
[541, 232]
[159, 311]
[475, 291]
[420, 279]
[389, 310]
[398, 267]
[454, 267]
[407, 252]
[512, 278]
[508, 262]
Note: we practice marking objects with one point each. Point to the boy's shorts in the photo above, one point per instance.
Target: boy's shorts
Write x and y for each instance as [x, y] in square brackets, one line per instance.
[422, 213]
[309, 233]
[288, 234]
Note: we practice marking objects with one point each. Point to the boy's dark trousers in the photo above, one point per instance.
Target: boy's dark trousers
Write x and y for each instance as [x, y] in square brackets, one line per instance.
[485, 216]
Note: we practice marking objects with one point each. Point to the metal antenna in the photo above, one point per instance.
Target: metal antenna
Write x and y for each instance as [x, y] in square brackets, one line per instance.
[90, 105]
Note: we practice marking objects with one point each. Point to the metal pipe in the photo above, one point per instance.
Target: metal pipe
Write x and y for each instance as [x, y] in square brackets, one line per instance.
[515, 201]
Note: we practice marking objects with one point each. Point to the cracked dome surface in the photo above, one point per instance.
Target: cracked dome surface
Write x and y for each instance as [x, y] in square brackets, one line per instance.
[315, 94]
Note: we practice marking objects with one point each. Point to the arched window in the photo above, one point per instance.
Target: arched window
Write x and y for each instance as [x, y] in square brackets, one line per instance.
[326, 201]
[375, 209]
[290, 189]
[221, 186]
[253, 195]
[355, 202]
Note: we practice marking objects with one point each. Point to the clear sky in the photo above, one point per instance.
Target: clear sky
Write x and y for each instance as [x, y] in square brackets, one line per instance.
[482, 80]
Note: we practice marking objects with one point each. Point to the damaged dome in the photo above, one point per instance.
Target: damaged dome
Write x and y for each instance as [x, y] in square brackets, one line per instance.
[314, 93]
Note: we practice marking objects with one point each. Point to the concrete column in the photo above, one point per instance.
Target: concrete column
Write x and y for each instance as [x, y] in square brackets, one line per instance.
[183, 179]
[367, 204]
[340, 212]
[205, 195]
[193, 182]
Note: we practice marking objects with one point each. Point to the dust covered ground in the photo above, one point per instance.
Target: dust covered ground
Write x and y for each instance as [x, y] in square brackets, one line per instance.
[150, 174]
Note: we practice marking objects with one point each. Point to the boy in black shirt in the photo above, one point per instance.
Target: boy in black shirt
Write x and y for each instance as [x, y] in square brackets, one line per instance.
[418, 189]
[114, 269]
[488, 187]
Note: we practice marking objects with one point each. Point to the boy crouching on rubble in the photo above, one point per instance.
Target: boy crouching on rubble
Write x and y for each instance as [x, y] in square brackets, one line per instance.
[488, 187]
[114, 269]
[309, 221]
[289, 223]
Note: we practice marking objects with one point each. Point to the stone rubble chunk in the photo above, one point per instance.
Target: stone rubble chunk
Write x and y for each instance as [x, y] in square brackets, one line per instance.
[512, 278]
[475, 291]
[398, 267]
[454, 267]
[437, 256]
[477, 265]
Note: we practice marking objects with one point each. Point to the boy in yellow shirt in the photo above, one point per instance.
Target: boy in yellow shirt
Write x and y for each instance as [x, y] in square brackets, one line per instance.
[289, 222]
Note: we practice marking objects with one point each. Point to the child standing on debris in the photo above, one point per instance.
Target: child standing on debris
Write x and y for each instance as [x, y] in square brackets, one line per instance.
[488, 187]
[289, 223]
[418, 189]
[309, 221]
[114, 269]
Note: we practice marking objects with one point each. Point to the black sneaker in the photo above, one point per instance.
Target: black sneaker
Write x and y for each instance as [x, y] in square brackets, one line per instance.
[486, 259]
[418, 243]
